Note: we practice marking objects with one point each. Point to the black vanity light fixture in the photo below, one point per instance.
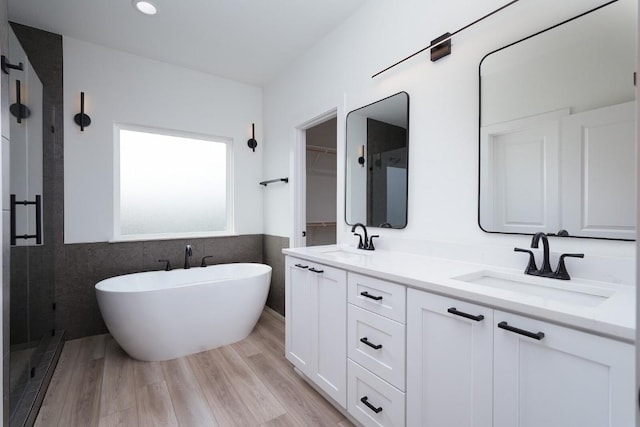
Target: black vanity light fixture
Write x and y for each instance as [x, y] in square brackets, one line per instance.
[19, 110]
[83, 120]
[441, 46]
[252, 143]
[361, 155]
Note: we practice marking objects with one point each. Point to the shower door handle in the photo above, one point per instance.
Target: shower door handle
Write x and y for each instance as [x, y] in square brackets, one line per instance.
[38, 205]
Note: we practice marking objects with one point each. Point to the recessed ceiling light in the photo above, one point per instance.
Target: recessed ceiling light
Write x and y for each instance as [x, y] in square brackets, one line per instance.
[145, 7]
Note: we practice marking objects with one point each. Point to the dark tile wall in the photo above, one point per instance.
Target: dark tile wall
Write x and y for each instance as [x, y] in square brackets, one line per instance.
[273, 256]
[76, 268]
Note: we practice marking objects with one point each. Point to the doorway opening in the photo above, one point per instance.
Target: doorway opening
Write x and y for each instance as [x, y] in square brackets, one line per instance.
[318, 173]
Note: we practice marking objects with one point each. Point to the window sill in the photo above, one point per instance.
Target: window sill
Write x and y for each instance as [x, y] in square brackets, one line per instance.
[172, 236]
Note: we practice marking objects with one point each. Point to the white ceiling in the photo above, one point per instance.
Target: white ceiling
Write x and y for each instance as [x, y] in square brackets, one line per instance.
[245, 40]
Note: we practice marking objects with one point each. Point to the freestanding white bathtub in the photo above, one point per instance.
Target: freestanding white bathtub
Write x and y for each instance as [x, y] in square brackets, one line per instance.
[162, 315]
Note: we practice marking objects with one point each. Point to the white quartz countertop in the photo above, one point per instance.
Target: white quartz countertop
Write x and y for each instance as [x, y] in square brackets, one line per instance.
[611, 312]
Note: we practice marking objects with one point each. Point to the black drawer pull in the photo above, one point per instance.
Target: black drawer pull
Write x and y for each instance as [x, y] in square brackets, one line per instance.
[373, 346]
[316, 271]
[477, 318]
[536, 336]
[302, 266]
[365, 400]
[368, 295]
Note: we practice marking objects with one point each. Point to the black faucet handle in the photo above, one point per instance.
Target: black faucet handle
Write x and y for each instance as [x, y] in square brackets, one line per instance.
[167, 266]
[203, 263]
[360, 244]
[531, 266]
[561, 272]
[370, 246]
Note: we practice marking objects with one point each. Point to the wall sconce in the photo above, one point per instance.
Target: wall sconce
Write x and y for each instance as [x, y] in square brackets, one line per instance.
[6, 66]
[82, 119]
[252, 143]
[19, 110]
[361, 155]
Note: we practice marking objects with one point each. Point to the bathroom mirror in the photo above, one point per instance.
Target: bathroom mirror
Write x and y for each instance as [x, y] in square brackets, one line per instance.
[557, 129]
[377, 158]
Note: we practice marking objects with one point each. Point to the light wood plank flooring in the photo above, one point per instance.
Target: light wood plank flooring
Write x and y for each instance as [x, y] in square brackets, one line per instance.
[248, 383]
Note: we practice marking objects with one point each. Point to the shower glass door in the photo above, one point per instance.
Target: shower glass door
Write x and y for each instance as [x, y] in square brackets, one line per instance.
[31, 293]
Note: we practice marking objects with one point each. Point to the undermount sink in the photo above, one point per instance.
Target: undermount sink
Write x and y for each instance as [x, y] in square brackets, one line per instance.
[347, 253]
[568, 292]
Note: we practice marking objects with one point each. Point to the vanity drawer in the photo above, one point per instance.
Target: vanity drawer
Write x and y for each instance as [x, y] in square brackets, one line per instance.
[384, 403]
[378, 344]
[384, 298]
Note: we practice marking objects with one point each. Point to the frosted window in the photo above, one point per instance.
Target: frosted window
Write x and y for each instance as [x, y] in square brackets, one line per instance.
[172, 184]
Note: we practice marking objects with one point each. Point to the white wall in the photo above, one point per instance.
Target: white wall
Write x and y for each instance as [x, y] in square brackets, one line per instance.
[443, 167]
[123, 88]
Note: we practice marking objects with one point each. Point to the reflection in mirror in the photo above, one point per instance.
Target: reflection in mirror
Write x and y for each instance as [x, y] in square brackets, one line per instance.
[377, 158]
[557, 129]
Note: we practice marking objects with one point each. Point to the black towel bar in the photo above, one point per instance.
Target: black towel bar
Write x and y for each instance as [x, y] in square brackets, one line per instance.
[271, 181]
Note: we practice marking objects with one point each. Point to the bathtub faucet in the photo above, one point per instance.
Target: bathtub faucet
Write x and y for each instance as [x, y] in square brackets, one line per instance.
[187, 256]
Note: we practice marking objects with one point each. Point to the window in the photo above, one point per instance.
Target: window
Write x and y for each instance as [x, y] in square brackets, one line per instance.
[171, 184]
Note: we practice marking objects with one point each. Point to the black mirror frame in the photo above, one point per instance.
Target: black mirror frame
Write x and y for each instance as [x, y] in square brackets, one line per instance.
[406, 221]
[480, 126]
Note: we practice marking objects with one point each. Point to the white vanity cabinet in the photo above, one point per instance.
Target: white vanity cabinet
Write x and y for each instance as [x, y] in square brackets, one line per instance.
[316, 324]
[449, 362]
[559, 377]
[395, 355]
[469, 365]
[376, 350]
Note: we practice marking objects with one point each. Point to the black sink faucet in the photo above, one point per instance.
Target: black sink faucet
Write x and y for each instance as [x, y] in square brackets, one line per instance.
[367, 243]
[187, 256]
[545, 271]
[361, 244]
[546, 265]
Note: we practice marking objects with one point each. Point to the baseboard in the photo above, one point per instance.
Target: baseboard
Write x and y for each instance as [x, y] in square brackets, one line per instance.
[272, 312]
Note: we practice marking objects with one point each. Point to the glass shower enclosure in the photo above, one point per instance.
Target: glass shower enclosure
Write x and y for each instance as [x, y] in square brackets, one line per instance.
[31, 288]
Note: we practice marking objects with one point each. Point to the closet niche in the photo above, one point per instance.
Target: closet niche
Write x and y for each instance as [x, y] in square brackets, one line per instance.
[321, 184]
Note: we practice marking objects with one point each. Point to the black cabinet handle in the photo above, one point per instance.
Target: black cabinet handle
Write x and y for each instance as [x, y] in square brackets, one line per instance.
[536, 336]
[368, 295]
[477, 318]
[302, 266]
[316, 271]
[373, 346]
[365, 400]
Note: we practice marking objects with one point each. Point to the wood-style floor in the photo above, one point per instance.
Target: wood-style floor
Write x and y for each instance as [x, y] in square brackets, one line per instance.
[248, 383]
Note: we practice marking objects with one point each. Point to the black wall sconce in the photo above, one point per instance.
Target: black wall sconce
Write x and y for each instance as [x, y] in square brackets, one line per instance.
[252, 143]
[19, 110]
[6, 65]
[361, 155]
[83, 120]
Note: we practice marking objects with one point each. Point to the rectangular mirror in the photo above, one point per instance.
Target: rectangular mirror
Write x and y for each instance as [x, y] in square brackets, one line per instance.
[377, 160]
[557, 129]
